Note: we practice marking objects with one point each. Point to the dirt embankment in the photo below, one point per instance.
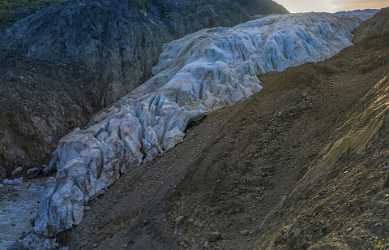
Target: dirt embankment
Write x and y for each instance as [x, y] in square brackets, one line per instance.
[298, 166]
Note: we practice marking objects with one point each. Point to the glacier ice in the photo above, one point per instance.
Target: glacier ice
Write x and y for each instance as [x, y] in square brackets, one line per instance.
[196, 74]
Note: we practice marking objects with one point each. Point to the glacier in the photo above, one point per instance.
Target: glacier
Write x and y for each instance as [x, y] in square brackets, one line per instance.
[196, 74]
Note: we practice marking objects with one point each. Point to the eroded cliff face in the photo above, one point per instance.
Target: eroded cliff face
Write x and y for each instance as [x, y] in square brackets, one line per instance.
[196, 74]
[114, 44]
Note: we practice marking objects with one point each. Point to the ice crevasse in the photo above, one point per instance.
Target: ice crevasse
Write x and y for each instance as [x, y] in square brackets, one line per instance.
[196, 74]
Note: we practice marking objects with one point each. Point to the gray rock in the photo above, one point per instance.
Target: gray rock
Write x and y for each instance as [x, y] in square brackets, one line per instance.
[179, 219]
[33, 172]
[215, 236]
[245, 232]
[17, 172]
[46, 170]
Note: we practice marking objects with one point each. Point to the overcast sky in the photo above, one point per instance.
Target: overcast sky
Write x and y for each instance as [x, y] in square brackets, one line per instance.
[331, 5]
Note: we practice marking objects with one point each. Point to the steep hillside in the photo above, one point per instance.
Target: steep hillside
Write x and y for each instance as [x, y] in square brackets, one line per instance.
[13, 10]
[121, 39]
[301, 165]
[39, 102]
[115, 43]
[375, 27]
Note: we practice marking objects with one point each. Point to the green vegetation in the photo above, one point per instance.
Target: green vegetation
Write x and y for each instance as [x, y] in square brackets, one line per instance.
[12, 10]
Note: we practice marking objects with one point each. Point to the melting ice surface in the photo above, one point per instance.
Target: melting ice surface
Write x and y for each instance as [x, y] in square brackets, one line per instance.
[196, 74]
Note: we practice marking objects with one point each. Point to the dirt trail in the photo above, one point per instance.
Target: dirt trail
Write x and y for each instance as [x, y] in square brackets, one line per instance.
[299, 165]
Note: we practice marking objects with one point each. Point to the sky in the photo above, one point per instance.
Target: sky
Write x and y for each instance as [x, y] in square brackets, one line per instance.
[331, 5]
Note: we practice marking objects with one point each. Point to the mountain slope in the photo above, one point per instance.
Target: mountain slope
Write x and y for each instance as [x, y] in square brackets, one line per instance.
[11, 11]
[121, 39]
[298, 166]
[114, 43]
[39, 102]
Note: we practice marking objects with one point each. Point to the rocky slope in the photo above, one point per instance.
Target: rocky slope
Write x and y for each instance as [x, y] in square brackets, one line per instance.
[39, 102]
[301, 165]
[121, 39]
[114, 43]
[196, 74]
[11, 11]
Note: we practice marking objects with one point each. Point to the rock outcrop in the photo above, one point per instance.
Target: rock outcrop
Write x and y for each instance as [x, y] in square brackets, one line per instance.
[112, 45]
[196, 74]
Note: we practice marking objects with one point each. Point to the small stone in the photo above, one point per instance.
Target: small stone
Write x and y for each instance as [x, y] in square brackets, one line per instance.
[33, 172]
[17, 172]
[378, 224]
[349, 229]
[215, 236]
[46, 170]
[179, 219]
[244, 232]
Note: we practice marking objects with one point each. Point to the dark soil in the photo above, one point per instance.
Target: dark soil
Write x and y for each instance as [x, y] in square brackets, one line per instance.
[39, 103]
[298, 166]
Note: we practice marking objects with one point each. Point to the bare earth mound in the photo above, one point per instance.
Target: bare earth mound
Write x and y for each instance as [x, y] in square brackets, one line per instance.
[301, 165]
